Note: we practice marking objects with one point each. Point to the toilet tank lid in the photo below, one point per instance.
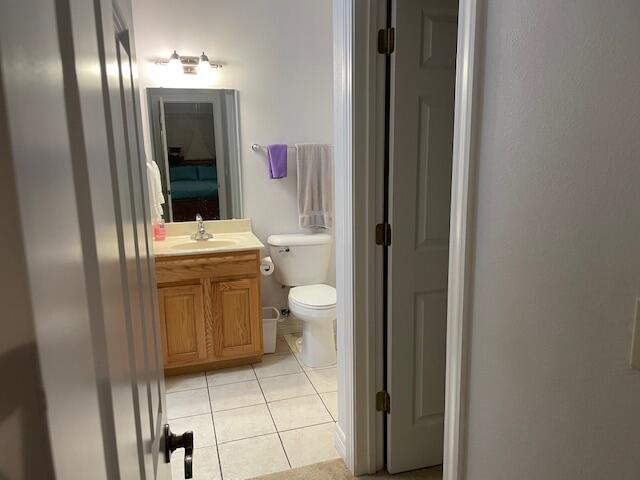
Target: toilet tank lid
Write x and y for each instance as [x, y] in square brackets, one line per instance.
[293, 239]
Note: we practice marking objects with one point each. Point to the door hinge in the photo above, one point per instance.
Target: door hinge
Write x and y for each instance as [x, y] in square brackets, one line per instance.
[383, 234]
[386, 40]
[383, 401]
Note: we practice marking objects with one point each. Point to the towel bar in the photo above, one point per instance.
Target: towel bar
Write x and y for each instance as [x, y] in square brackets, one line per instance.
[256, 146]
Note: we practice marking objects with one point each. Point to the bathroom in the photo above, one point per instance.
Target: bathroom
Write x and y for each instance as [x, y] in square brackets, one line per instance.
[228, 138]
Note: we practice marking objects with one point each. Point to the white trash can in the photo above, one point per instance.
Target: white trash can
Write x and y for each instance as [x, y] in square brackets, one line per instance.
[270, 319]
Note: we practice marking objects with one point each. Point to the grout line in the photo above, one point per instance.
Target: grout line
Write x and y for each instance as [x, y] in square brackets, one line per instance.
[191, 416]
[307, 426]
[283, 375]
[215, 435]
[274, 433]
[249, 438]
[185, 390]
[291, 398]
[233, 383]
[243, 406]
[286, 455]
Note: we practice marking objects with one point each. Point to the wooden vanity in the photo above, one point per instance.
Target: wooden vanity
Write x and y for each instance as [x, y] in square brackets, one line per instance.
[210, 310]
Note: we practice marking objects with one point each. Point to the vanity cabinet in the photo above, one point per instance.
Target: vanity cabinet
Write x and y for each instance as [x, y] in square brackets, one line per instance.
[209, 310]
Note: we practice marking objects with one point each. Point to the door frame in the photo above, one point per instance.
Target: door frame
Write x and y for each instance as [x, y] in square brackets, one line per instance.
[359, 116]
[461, 236]
[358, 130]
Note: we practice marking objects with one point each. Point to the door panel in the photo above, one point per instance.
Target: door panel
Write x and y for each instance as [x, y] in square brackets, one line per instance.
[91, 274]
[140, 276]
[421, 148]
[236, 319]
[183, 324]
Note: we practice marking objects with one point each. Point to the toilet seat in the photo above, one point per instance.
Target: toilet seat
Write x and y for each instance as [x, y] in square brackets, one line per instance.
[313, 297]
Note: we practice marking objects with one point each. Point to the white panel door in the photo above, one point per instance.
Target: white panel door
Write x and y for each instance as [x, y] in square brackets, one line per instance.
[421, 143]
[138, 270]
[71, 133]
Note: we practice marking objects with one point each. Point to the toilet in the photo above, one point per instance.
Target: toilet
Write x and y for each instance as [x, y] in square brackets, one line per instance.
[302, 262]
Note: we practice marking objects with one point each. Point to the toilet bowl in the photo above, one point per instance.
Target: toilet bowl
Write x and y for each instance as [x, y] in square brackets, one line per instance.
[315, 306]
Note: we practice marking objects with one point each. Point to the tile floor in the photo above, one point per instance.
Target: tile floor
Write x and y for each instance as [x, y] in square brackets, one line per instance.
[256, 419]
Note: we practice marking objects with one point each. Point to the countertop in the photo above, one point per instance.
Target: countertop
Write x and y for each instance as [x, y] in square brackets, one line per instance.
[228, 236]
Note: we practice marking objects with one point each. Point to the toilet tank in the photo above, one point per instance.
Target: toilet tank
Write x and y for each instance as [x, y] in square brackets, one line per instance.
[300, 259]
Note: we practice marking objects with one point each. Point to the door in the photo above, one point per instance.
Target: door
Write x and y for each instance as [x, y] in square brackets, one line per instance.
[136, 258]
[421, 144]
[183, 324]
[237, 327]
[81, 179]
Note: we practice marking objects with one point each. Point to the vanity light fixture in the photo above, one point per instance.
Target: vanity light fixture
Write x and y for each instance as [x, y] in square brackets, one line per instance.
[190, 65]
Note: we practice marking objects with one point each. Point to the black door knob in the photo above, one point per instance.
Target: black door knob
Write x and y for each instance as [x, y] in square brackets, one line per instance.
[173, 442]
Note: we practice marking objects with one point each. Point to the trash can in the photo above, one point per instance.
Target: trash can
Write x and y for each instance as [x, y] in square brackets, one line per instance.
[270, 318]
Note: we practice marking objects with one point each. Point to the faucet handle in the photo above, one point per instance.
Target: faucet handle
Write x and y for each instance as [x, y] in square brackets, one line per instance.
[198, 217]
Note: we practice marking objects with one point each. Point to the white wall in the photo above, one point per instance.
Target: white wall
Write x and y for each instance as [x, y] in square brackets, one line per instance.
[557, 251]
[278, 55]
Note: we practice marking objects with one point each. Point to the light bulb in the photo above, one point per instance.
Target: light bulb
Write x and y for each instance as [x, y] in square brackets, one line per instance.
[175, 66]
[204, 67]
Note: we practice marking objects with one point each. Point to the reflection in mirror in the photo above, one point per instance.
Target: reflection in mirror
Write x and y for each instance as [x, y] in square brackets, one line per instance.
[195, 144]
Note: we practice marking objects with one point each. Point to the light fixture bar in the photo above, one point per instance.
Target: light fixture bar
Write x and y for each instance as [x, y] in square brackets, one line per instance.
[189, 63]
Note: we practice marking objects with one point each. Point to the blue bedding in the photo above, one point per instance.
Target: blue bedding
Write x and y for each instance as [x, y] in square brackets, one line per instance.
[193, 189]
[193, 182]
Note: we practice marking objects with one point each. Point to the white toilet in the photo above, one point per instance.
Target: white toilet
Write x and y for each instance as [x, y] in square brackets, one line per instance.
[301, 262]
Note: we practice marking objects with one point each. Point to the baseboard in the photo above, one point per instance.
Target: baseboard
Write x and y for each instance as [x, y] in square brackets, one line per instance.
[341, 443]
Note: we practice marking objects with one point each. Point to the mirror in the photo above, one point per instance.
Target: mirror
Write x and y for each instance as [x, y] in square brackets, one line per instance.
[195, 144]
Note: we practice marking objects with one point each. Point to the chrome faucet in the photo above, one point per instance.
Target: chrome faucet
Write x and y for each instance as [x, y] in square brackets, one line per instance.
[201, 234]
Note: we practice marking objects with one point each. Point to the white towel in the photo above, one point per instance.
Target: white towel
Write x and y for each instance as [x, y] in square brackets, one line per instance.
[156, 198]
[315, 185]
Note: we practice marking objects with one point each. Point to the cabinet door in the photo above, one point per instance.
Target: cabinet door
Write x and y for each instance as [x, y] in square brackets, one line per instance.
[183, 328]
[236, 318]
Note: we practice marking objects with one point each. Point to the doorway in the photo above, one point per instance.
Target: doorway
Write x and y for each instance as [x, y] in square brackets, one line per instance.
[420, 180]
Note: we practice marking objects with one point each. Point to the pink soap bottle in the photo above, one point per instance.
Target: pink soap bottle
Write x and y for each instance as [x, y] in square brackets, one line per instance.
[159, 231]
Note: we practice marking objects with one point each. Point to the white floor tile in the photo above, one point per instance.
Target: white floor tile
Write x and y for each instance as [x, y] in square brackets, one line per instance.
[200, 425]
[299, 412]
[205, 464]
[230, 375]
[187, 403]
[235, 395]
[275, 365]
[309, 445]
[324, 379]
[242, 423]
[252, 457]
[286, 386]
[330, 400]
[189, 381]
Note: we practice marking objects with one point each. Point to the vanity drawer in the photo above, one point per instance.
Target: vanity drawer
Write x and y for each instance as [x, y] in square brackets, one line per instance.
[222, 265]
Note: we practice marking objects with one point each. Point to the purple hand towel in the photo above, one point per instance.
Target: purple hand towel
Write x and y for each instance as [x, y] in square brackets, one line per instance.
[277, 160]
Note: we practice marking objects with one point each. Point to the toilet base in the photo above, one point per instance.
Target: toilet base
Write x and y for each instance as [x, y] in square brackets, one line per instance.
[318, 345]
